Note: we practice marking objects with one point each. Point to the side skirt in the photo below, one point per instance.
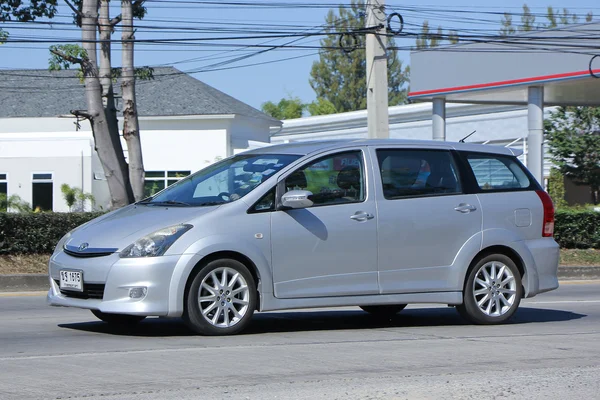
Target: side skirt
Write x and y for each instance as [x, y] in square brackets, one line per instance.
[270, 303]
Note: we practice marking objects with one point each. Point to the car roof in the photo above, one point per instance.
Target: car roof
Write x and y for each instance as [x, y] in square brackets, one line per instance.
[317, 146]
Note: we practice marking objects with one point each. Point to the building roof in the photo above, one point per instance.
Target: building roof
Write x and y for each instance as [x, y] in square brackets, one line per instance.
[309, 147]
[500, 70]
[43, 93]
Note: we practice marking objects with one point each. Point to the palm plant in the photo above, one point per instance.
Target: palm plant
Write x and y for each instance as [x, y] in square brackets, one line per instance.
[75, 197]
[13, 203]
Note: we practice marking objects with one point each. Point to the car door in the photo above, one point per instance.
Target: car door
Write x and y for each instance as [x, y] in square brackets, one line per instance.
[424, 219]
[330, 248]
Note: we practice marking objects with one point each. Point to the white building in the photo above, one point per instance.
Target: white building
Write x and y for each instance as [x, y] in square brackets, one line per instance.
[184, 123]
[494, 125]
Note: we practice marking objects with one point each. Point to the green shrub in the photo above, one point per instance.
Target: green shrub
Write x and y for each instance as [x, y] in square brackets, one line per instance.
[37, 233]
[577, 228]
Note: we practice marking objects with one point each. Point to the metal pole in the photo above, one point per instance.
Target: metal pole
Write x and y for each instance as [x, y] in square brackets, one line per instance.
[377, 83]
[535, 139]
[438, 119]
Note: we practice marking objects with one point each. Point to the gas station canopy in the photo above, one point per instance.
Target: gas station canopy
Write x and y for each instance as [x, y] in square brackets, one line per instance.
[557, 67]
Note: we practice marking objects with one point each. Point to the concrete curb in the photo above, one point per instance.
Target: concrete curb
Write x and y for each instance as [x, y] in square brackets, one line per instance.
[578, 273]
[24, 282]
[39, 282]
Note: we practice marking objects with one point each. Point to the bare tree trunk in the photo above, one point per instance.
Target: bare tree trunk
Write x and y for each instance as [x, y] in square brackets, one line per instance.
[131, 130]
[106, 26]
[107, 149]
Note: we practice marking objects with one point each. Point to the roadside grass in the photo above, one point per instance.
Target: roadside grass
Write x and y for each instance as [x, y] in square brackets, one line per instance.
[580, 257]
[38, 263]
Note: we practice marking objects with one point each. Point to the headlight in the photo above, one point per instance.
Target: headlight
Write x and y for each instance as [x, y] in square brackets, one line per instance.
[62, 241]
[156, 243]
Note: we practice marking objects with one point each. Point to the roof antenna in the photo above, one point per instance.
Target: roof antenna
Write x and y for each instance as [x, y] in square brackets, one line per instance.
[466, 137]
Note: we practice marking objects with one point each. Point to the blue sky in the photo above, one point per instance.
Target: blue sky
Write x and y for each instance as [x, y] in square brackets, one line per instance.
[257, 84]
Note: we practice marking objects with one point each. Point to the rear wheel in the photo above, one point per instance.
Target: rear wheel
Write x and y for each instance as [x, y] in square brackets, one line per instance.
[118, 319]
[384, 311]
[492, 292]
[221, 298]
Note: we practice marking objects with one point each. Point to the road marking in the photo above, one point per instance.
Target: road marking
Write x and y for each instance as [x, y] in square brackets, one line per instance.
[561, 301]
[580, 282]
[22, 294]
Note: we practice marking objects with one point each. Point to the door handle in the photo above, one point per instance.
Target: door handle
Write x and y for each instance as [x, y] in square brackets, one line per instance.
[361, 216]
[465, 208]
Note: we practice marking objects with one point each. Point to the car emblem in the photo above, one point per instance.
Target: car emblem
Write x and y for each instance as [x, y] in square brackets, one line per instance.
[83, 246]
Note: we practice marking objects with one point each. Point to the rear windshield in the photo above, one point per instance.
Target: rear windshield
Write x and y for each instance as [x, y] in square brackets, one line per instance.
[497, 172]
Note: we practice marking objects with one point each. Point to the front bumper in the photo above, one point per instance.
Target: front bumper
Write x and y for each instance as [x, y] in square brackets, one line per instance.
[118, 275]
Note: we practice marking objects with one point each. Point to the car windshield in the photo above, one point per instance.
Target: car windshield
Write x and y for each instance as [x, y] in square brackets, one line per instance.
[223, 182]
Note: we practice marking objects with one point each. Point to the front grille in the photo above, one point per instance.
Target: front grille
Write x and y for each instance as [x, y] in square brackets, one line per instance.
[90, 291]
[87, 255]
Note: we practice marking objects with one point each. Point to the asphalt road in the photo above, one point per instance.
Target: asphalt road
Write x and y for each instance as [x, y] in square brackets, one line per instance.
[550, 351]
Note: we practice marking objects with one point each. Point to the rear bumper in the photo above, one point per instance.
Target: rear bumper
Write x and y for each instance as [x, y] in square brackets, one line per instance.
[545, 253]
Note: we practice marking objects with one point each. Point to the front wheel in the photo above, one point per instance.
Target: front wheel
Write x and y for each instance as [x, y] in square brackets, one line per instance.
[118, 319]
[221, 298]
[492, 292]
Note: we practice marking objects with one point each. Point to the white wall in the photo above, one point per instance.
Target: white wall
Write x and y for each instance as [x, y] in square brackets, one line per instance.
[68, 156]
[176, 150]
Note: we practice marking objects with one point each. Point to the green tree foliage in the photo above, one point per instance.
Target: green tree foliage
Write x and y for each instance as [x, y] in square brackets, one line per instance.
[321, 106]
[23, 11]
[554, 19]
[427, 39]
[527, 19]
[573, 134]
[289, 108]
[26, 11]
[340, 77]
[556, 188]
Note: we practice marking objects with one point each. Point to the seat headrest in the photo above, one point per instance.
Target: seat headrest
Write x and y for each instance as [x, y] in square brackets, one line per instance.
[349, 177]
[296, 179]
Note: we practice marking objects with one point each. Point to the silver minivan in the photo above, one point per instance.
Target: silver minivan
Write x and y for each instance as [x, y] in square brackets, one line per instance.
[377, 224]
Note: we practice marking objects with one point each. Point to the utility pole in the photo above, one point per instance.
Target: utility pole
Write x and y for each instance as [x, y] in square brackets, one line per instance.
[377, 83]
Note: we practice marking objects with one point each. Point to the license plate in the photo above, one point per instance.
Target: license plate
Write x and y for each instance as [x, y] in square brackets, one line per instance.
[71, 280]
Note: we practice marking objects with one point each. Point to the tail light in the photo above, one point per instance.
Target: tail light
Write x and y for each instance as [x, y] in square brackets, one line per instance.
[548, 221]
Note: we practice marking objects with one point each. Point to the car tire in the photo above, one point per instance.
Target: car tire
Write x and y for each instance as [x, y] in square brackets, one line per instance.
[118, 319]
[492, 291]
[221, 299]
[384, 311]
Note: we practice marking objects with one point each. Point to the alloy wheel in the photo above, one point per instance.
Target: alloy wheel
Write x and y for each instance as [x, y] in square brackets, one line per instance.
[223, 297]
[494, 289]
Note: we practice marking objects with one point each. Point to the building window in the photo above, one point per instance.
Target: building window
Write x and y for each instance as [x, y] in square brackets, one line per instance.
[3, 192]
[158, 180]
[41, 189]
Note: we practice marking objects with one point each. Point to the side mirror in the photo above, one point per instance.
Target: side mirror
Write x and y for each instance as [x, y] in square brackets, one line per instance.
[296, 199]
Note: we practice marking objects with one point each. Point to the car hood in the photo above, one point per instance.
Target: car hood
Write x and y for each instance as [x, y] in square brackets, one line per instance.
[121, 228]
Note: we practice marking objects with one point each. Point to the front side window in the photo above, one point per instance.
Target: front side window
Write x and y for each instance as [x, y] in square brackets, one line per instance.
[223, 182]
[496, 172]
[333, 179]
[410, 173]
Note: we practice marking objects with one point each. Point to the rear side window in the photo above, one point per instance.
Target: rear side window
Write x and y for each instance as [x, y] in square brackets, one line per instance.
[496, 172]
[410, 173]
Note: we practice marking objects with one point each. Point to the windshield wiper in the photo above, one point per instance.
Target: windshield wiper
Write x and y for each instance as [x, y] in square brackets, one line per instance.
[169, 203]
[211, 203]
